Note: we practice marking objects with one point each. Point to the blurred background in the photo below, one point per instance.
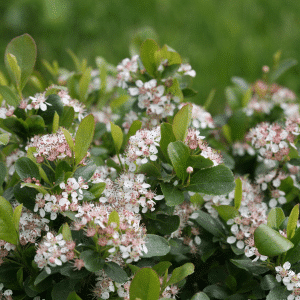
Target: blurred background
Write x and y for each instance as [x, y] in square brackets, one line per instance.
[220, 38]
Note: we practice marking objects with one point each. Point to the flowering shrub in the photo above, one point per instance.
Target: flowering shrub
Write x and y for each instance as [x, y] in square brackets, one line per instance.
[113, 186]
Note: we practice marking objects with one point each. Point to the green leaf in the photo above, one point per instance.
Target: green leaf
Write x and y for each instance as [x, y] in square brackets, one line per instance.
[117, 135]
[175, 90]
[14, 68]
[4, 139]
[238, 193]
[162, 267]
[226, 212]
[167, 136]
[11, 98]
[179, 154]
[3, 171]
[215, 291]
[275, 217]
[97, 189]
[180, 273]
[282, 68]
[188, 93]
[66, 232]
[67, 117]
[270, 242]
[84, 83]
[148, 50]
[86, 172]
[209, 223]
[24, 49]
[166, 224]
[199, 162]
[114, 218]
[115, 272]
[254, 267]
[55, 105]
[173, 196]
[168, 53]
[212, 181]
[73, 296]
[145, 285]
[200, 296]
[16, 216]
[182, 121]
[292, 222]
[55, 122]
[135, 126]
[62, 289]
[25, 195]
[269, 282]
[156, 245]
[26, 168]
[36, 125]
[278, 293]
[8, 231]
[133, 268]
[197, 200]
[92, 260]
[68, 138]
[226, 130]
[84, 137]
[231, 98]
[149, 169]
[119, 101]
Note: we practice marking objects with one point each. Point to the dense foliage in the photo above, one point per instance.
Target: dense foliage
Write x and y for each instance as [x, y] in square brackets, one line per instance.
[113, 186]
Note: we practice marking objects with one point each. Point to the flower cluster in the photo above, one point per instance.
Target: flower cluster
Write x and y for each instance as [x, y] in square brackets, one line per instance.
[124, 69]
[290, 279]
[124, 235]
[6, 110]
[54, 251]
[240, 149]
[129, 191]
[12, 158]
[273, 141]
[194, 141]
[142, 147]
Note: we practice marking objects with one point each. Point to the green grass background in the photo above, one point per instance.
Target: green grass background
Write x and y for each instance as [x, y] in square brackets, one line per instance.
[221, 38]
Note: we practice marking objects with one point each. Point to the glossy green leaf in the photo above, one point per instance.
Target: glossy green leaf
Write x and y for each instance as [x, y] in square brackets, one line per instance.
[175, 90]
[216, 292]
[9, 95]
[55, 122]
[66, 232]
[119, 101]
[166, 224]
[182, 121]
[68, 138]
[62, 289]
[135, 126]
[97, 189]
[209, 223]
[269, 282]
[16, 216]
[26, 168]
[200, 296]
[15, 70]
[180, 273]
[24, 49]
[84, 137]
[254, 267]
[173, 196]
[36, 125]
[156, 246]
[8, 231]
[4, 139]
[117, 135]
[188, 93]
[149, 169]
[179, 154]
[67, 117]
[73, 296]
[167, 136]
[238, 193]
[270, 242]
[275, 217]
[199, 162]
[114, 218]
[115, 272]
[25, 195]
[84, 83]
[92, 260]
[148, 50]
[278, 293]
[162, 267]
[226, 212]
[197, 200]
[292, 222]
[217, 180]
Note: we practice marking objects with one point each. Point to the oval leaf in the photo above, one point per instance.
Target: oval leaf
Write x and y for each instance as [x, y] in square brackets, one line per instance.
[92, 260]
[26, 168]
[84, 137]
[156, 245]
[115, 272]
[145, 285]
[148, 50]
[226, 212]
[292, 222]
[117, 135]
[173, 196]
[275, 217]
[180, 273]
[270, 242]
[182, 121]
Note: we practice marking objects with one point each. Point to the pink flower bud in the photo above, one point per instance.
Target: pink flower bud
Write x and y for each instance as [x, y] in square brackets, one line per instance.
[189, 170]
